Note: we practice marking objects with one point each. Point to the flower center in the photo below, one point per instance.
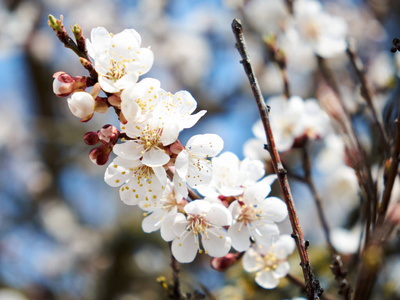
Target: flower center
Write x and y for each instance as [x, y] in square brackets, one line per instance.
[270, 261]
[197, 224]
[249, 214]
[117, 69]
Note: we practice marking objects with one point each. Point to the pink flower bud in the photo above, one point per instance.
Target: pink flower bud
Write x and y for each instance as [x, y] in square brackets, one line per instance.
[99, 155]
[108, 134]
[176, 147]
[64, 84]
[224, 262]
[81, 105]
[91, 138]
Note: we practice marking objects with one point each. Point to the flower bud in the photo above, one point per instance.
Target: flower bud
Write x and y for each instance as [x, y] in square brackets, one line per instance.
[108, 134]
[99, 155]
[64, 84]
[91, 138]
[81, 105]
[224, 262]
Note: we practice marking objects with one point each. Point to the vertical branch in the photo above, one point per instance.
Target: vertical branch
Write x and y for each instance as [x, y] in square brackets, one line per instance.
[314, 291]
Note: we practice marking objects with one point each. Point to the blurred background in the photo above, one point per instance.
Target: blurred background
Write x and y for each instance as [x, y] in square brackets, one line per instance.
[64, 233]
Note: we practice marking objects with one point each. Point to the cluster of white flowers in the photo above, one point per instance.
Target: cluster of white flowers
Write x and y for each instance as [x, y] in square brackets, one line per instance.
[154, 171]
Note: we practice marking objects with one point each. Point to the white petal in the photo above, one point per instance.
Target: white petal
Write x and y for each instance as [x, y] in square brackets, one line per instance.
[118, 171]
[129, 150]
[219, 215]
[199, 172]
[259, 190]
[108, 85]
[266, 234]
[191, 120]
[205, 145]
[167, 228]
[155, 158]
[266, 280]
[146, 58]
[184, 248]
[251, 170]
[216, 243]
[274, 209]
[197, 207]
[126, 80]
[153, 221]
[180, 185]
[284, 246]
[282, 270]
[240, 236]
[252, 261]
[182, 163]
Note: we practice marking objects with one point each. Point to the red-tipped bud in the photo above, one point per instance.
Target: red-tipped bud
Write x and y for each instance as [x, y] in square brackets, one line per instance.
[100, 155]
[221, 264]
[91, 138]
[64, 84]
[114, 100]
[108, 134]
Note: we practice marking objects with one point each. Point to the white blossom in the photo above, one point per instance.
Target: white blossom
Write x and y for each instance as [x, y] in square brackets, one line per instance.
[205, 221]
[119, 60]
[231, 176]
[269, 262]
[139, 182]
[193, 164]
[254, 216]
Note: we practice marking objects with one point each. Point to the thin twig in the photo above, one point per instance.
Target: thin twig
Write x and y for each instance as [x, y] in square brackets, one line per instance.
[391, 175]
[277, 56]
[366, 93]
[317, 198]
[314, 290]
[359, 159]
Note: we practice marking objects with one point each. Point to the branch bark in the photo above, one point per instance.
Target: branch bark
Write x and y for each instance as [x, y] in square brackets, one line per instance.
[314, 291]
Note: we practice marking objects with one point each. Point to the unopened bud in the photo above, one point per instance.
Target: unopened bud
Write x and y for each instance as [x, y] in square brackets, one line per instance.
[108, 134]
[99, 155]
[81, 105]
[91, 138]
[64, 84]
[223, 263]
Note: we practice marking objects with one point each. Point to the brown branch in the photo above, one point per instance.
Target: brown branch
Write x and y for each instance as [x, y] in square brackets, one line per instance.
[80, 48]
[391, 175]
[338, 269]
[317, 198]
[297, 281]
[314, 290]
[366, 93]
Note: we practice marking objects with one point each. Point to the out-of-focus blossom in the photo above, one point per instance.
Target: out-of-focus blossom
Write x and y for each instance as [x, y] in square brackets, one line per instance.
[346, 241]
[269, 262]
[324, 32]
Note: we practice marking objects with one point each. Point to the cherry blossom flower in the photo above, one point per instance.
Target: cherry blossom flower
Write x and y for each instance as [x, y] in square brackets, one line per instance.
[254, 216]
[142, 183]
[150, 139]
[203, 220]
[161, 209]
[179, 107]
[269, 262]
[119, 60]
[193, 165]
[139, 100]
[231, 176]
